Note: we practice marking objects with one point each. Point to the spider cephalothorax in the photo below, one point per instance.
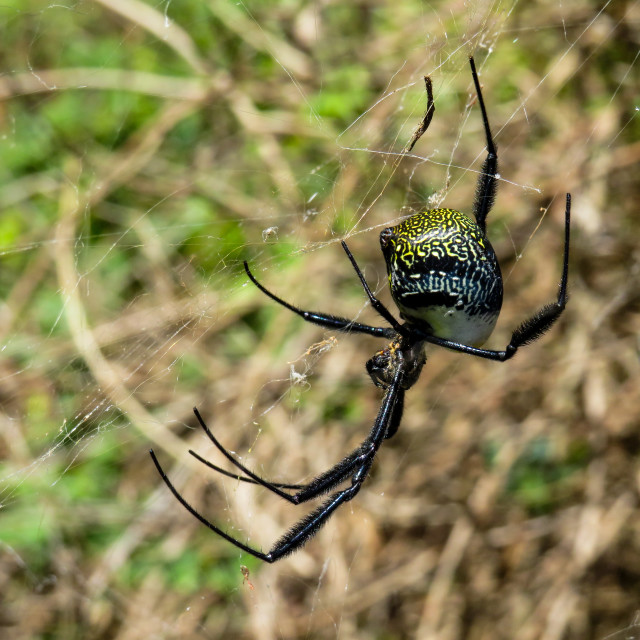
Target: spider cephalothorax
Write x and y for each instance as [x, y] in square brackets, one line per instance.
[384, 363]
[445, 279]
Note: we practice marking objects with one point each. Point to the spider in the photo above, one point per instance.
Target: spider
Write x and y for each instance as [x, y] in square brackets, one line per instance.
[445, 280]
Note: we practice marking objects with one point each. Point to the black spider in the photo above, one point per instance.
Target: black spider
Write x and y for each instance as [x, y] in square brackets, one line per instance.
[446, 282]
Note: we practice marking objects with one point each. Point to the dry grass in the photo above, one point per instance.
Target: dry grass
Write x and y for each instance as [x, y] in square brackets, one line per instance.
[505, 507]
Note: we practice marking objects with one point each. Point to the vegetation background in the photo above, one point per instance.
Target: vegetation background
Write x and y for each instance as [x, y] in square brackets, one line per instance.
[146, 150]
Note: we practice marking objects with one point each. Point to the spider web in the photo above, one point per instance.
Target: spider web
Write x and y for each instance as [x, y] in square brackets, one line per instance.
[148, 149]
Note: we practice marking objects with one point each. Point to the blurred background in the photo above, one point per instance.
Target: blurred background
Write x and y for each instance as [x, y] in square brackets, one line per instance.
[146, 149]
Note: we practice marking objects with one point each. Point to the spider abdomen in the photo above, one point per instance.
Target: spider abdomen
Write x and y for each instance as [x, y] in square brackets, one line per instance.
[444, 275]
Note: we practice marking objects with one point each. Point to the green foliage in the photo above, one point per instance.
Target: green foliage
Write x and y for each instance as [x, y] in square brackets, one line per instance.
[336, 102]
[541, 480]
[11, 227]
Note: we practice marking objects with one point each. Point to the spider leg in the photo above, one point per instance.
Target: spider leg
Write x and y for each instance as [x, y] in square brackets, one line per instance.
[235, 476]
[298, 535]
[532, 328]
[196, 514]
[319, 485]
[250, 476]
[486, 188]
[323, 319]
[426, 119]
[375, 303]
[396, 415]
[358, 463]
[419, 132]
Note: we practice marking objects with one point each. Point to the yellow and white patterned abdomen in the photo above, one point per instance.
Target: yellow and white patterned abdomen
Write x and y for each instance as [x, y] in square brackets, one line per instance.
[444, 275]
